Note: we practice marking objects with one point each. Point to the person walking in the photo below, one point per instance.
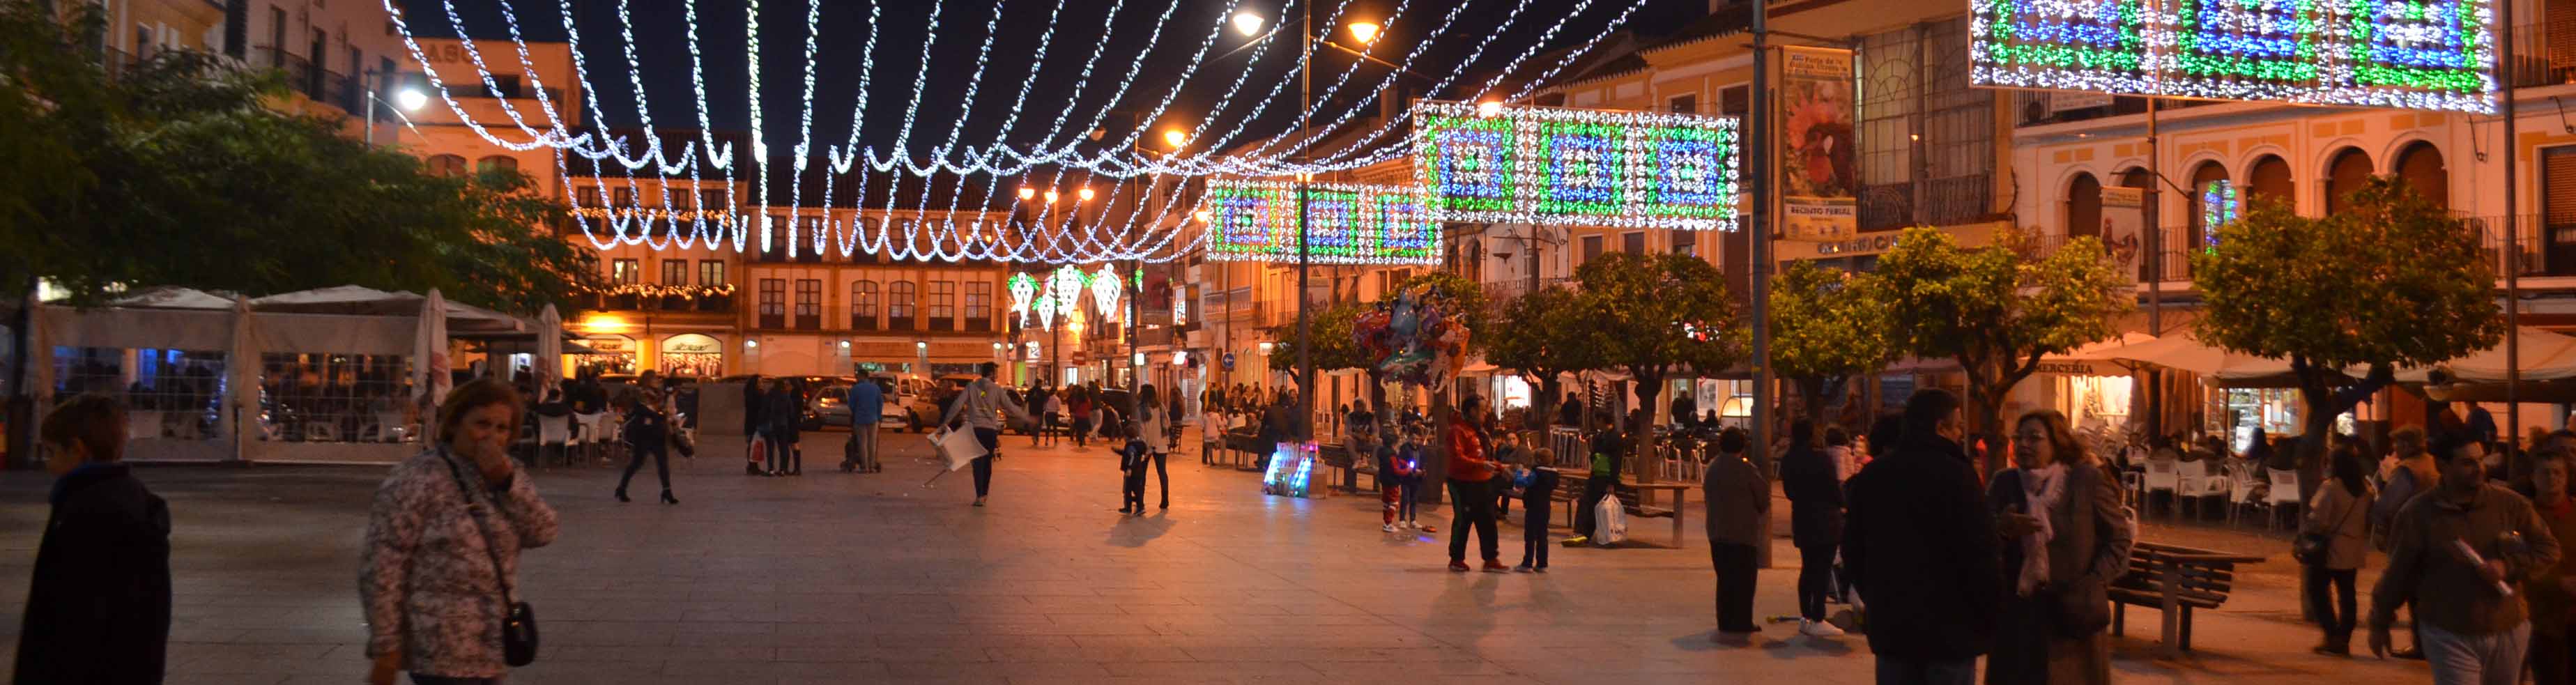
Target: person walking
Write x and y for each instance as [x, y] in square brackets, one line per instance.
[1812, 480]
[2335, 516]
[648, 434]
[781, 410]
[2553, 596]
[1471, 493]
[1609, 452]
[2458, 554]
[1920, 547]
[754, 398]
[98, 602]
[2066, 533]
[980, 404]
[1152, 425]
[2408, 471]
[438, 570]
[1037, 404]
[1080, 406]
[866, 402]
[1736, 497]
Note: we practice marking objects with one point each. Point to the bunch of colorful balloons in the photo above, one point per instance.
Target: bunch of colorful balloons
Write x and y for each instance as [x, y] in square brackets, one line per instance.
[1416, 338]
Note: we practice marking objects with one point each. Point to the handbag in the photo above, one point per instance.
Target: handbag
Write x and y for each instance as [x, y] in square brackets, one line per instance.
[2311, 548]
[519, 622]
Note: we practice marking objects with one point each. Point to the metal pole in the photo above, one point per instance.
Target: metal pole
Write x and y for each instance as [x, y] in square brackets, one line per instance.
[2152, 241]
[1306, 145]
[1757, 167]
[2512, 237]
[370, 80]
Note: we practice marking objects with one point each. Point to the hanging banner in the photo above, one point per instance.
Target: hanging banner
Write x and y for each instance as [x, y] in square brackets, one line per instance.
[2124, 225]
[1816, 153]
[1491, 163]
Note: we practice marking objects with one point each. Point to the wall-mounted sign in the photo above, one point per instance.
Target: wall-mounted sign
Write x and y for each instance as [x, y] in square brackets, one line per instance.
[691, 343]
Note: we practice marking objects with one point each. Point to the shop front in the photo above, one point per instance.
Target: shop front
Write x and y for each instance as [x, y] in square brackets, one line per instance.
[609, 354]
[691, 354]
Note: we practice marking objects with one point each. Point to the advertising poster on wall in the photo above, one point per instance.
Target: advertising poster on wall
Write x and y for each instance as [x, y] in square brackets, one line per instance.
[2124, 224]
[1816, 155]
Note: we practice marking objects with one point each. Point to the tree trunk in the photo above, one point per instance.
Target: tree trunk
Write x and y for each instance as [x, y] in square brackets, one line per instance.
[1435, 468]
[1650, 385]
[1811, 395]
[1984, 414]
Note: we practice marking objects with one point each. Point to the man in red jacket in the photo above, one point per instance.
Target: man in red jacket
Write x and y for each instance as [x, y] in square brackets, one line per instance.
[1471, 493]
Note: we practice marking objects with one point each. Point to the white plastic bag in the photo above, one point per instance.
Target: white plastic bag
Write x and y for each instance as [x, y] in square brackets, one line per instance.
[1609, 521]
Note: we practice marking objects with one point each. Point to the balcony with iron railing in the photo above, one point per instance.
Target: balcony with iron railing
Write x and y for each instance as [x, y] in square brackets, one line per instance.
[2540, 249]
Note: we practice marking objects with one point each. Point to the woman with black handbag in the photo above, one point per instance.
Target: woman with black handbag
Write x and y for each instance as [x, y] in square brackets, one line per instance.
[437, 577]
[2331, 546]
[2066, 533]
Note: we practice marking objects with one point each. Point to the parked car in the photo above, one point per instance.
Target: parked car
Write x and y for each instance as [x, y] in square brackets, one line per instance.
[929, 400]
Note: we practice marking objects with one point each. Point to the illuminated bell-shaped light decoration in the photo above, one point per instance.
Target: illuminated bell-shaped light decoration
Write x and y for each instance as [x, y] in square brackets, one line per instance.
[1104, 292]
[1024, 292]
[1045, 306]
[1066, 286]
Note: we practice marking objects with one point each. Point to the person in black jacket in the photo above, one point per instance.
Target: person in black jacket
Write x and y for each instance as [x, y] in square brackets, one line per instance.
[752, 425]
[1608, 458]
[648, 434]
[1815, 493]
[1920, 546]
[781, 411]
[98, 606]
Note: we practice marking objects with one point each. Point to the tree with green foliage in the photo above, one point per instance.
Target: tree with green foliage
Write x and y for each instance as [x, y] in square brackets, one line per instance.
[1658, 314]
[1826, 326]
[2391, 280]
[1998, 309]
[175, 171]
[1541, 336]
[1335, 346]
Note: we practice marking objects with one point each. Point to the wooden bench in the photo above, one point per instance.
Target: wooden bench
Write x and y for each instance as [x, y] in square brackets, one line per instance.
[2175, 580]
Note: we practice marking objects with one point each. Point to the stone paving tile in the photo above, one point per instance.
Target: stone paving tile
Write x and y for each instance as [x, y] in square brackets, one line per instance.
[835, 578]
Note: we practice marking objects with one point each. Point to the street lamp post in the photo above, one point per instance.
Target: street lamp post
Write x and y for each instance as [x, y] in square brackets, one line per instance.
[1249, 23]
[406, 100]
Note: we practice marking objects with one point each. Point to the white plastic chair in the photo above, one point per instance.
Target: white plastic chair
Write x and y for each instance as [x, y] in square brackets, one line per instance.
[2284, 494]
[2240, 493]
[553, 432]
[2163, 475]
[2188, 485]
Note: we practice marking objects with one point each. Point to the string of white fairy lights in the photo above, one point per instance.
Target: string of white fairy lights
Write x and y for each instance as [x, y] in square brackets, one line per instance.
[1077, 241]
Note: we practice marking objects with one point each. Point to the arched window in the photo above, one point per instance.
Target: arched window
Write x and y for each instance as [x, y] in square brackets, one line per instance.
[495, 163]
[2084, 207]
[2269, 180]
[2420, 166]
[2345, 174]
[447, 165]
[863, 304]
[2213, 203]
[899, 304]
[2145, 183]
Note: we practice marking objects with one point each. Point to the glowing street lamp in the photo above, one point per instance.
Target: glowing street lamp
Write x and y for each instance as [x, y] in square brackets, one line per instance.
[1027, 192]
[1364, 32]
[1174, 137]
[1489, 108]
[1247, 23]
[1083, 195]
[410, 99]
[1051, 196]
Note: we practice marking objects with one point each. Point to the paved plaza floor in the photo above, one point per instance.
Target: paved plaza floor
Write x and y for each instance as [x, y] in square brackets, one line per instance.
[839, 578]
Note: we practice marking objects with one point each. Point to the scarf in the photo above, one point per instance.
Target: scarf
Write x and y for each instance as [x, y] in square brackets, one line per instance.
[2041, 490]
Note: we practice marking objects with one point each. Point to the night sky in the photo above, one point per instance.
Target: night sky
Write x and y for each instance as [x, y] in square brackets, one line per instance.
[659, 29]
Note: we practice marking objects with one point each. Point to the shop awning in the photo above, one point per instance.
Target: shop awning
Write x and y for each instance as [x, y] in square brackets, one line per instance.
[2545, 356]
[2180, 351]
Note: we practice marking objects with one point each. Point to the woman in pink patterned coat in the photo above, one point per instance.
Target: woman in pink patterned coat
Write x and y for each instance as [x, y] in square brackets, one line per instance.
[443, 541]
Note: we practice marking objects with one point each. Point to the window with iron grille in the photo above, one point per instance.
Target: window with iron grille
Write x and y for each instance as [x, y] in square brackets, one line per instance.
[979, 305]
[625, 197]
[943, 305]
[1926, 137]
[625, 271]
[809, 304]
[586, 197]
[899, 300]
[675, 272]
[773, 303]
[863, 305]
[711, 272]
[714, 200]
